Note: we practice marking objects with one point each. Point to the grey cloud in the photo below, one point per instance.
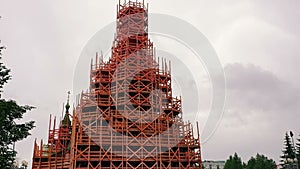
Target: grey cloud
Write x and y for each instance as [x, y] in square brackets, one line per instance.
[250, 86]
[260, 107]
[283, 14]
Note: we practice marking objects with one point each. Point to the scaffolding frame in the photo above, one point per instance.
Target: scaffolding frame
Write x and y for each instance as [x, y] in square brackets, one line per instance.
[129, 117]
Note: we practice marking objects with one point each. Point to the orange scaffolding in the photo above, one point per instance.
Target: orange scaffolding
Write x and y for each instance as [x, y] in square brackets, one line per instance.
[128, 118]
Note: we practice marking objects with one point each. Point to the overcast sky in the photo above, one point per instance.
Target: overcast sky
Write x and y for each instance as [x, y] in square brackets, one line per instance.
[257, 43]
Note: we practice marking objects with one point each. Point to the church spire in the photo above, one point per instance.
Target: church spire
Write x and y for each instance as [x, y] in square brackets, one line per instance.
[68, 104]
[66, 120]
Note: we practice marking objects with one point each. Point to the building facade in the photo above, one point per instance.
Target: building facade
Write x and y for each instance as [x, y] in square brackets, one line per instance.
[209, 164]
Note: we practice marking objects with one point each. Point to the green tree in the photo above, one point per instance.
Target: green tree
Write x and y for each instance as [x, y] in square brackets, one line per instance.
[287, 160]
[10, 130]
[234, 162]
[4, 72]
[298, 151]
[260, 162]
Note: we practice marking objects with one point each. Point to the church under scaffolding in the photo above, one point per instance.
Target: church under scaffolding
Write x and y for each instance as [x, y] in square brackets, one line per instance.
[129, 117]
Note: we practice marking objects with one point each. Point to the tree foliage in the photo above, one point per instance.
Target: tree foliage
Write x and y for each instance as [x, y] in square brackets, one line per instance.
[234, 162]
[287, 160]
[4, 72]
[260, 162]
[257, 162]
[10, 130]
[298, 151]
